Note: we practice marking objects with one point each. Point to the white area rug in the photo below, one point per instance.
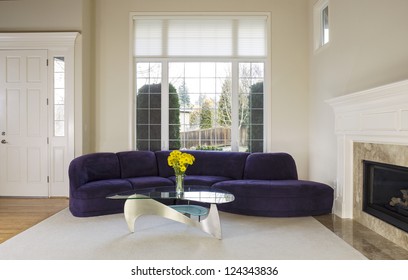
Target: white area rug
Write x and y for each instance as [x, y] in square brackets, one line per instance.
[65, 237]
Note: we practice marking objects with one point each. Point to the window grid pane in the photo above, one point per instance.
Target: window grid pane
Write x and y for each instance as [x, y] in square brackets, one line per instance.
[148, 106]
[201, 113]
[59, 96]
[251, 113]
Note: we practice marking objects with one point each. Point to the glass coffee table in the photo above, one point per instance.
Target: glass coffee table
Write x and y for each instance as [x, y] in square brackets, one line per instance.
[145, 202]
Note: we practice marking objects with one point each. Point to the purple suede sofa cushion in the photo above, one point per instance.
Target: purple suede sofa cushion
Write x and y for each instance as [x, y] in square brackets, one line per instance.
[277, 198]
[140, 169]
[207, 163]
[149, 181]
[93, 167]
[95, 207]
[102, 188]
[200, 180]
[270, 166]
[137, 164]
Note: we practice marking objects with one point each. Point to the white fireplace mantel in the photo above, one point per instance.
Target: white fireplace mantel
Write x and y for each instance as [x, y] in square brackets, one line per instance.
[378, 115]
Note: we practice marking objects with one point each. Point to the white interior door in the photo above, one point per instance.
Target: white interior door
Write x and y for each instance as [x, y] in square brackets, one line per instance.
[23, 123]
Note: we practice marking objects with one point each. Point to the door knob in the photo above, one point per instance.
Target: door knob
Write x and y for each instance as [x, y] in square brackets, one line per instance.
[3, 141]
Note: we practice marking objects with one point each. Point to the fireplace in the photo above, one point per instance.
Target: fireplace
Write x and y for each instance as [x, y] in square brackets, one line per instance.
[385, 192]
[370, 125]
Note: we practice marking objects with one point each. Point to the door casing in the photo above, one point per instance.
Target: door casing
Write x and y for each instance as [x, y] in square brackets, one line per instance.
[61, 150]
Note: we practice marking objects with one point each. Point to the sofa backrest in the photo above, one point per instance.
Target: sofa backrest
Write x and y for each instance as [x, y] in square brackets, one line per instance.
[137, 164]
[93, 167]
[210, 163]
[270, 166]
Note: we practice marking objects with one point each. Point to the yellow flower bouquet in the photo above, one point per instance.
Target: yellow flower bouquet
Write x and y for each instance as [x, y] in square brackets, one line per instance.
[180, 161]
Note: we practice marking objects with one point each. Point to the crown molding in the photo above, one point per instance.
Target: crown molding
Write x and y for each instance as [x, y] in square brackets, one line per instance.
[37, 39]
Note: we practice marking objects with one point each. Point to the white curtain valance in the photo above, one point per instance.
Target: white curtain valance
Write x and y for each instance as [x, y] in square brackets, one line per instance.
[200, 36]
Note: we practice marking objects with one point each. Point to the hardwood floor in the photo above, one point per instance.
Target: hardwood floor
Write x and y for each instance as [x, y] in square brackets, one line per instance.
[19, 214]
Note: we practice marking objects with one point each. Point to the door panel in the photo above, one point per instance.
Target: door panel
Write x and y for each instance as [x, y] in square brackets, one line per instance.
[13, 69]
[12, 112]
[13, 165]
[23, 123]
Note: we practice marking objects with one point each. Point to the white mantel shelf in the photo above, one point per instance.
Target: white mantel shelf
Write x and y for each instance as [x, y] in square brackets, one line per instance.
[377, 115]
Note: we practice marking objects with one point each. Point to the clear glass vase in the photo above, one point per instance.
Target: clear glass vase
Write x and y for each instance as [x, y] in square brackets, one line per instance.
[179, 184]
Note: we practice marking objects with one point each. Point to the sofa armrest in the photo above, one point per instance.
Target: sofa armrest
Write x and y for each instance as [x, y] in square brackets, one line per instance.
[93, 167]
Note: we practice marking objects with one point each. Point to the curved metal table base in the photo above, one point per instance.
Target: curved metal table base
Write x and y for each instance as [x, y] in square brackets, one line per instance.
[134, 208]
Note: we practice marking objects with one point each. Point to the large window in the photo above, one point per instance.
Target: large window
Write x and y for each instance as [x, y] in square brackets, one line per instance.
[199, 82]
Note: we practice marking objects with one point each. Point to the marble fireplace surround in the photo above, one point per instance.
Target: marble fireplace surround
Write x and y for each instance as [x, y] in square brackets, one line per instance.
[371, 125]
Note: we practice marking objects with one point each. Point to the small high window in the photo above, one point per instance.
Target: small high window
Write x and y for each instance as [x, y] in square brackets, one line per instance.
[321, 24]
[325, 25]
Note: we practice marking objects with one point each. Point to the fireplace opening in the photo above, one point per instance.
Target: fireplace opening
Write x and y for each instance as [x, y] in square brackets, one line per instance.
[385, 192]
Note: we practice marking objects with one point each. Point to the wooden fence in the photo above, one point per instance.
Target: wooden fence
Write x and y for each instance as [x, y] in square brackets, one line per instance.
[214, 137]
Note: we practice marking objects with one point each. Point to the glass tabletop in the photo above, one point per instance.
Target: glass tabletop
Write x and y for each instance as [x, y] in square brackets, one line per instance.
[191, 193]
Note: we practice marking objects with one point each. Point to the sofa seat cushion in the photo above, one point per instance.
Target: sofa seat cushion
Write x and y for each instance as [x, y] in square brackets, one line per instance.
[201, 180]
[149, 181]
[277, 198]
[101, 189]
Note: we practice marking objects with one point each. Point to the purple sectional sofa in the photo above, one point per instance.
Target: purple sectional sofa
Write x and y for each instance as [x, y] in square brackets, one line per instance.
[264, 184]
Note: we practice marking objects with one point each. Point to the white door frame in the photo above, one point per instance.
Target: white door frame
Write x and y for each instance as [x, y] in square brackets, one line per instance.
[57, 44]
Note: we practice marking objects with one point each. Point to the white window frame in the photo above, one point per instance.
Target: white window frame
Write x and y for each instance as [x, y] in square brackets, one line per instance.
[318, 32]
[132, 83]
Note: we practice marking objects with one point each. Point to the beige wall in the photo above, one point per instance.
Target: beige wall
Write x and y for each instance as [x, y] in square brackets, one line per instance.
[40, 15]
[88, 81]
[368, 48]
[289, 75]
